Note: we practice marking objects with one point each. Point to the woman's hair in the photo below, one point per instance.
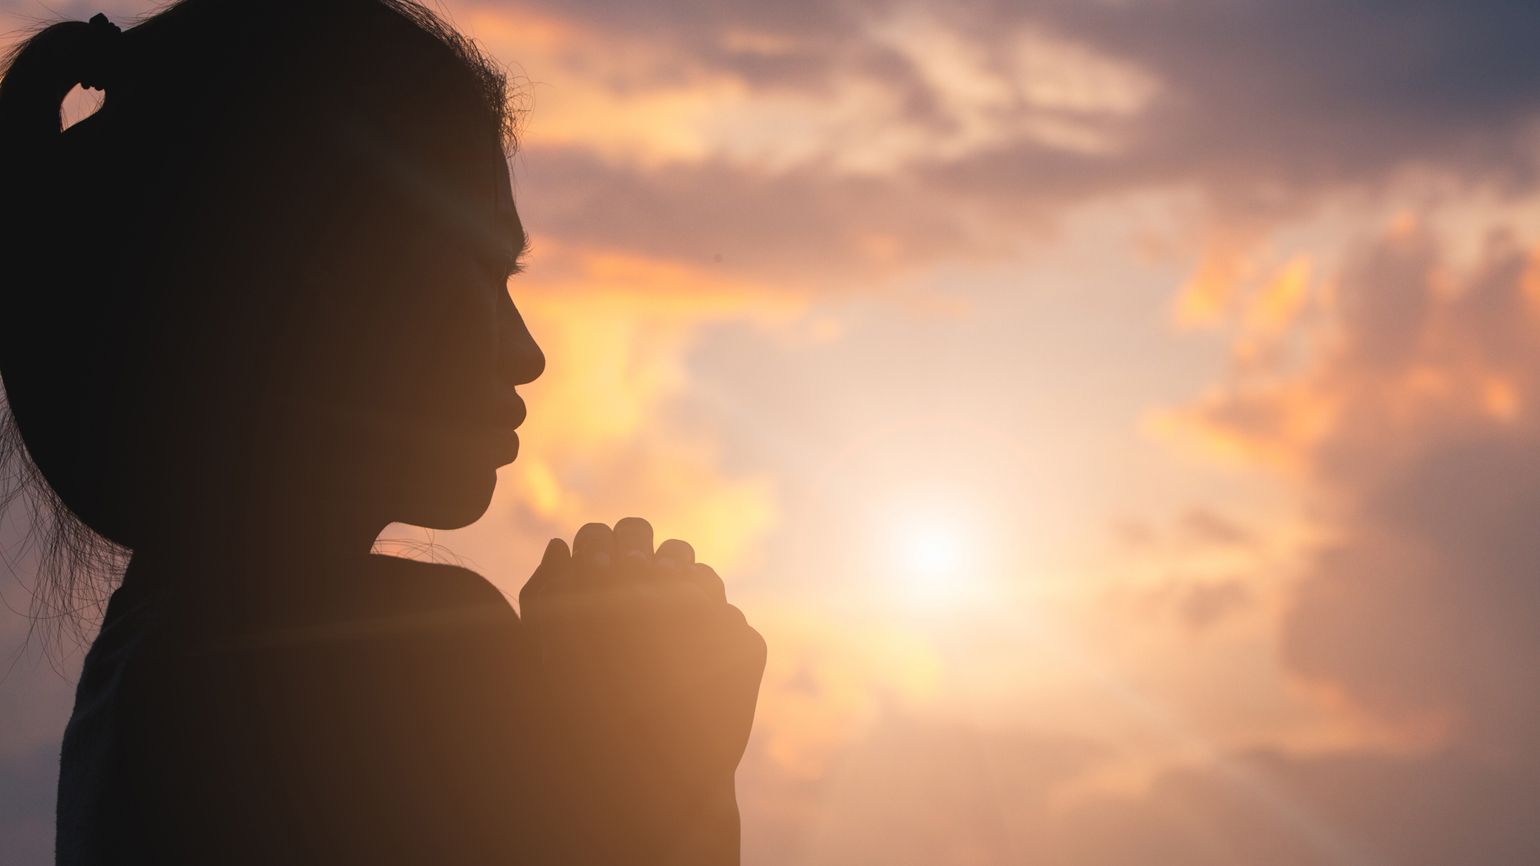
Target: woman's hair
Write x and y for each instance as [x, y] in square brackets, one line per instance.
[218, 166]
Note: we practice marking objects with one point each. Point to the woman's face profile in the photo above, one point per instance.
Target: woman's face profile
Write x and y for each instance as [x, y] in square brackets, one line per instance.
[428, 350]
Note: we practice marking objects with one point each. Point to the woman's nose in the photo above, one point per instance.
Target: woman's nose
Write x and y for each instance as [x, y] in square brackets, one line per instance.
[519, 358]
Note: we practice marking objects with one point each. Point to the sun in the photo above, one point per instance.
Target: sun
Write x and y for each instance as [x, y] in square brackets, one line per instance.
[934, 559]
[931, 550]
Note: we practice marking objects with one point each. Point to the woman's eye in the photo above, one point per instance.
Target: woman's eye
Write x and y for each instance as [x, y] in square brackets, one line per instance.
[501, 269]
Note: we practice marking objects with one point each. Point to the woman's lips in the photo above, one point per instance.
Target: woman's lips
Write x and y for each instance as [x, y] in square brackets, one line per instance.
[507, 410]
[496, 443]
[487, 433]
[510, 449]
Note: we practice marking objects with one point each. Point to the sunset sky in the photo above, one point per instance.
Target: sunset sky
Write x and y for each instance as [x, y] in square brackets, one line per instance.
[1119, 416]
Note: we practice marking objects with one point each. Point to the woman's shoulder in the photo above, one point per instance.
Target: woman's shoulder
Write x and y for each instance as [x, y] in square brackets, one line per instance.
[392, 690]
[395, 598]
[432, 586]
[378, 603]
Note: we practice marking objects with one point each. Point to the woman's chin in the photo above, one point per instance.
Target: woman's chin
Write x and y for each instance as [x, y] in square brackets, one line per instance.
[449, 498]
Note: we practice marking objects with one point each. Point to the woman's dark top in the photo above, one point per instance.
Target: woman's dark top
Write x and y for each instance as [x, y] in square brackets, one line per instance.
[370, 718]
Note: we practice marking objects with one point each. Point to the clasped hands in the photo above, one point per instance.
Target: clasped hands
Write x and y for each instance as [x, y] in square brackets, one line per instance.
[650, 679]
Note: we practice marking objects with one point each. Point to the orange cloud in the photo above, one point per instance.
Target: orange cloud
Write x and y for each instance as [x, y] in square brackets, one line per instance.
[1273, 425]
[1209, 295]
[1281, 299]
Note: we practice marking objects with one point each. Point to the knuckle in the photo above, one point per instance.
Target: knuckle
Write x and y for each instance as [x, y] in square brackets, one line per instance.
[676, 548]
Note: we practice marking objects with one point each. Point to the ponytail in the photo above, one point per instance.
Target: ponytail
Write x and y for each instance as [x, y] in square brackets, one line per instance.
[75, 566]
[44, 69]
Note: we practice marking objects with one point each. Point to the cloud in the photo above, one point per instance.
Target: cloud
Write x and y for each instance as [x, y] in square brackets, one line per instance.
[1204, 604]
[1196, 528]
[1343, 809]
[1427, 602]
[866, 139]
[1420, 405]
[912, 791]
[1209, 527]
[1408, 430]
[797, 229]
[1198, 602]
[1277, 101]
[1288, 80]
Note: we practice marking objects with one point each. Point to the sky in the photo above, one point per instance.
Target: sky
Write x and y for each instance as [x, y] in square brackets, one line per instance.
[1119, 416]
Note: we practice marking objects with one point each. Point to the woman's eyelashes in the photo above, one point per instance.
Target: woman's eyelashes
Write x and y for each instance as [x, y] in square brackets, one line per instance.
[520, 255]
[505, 264]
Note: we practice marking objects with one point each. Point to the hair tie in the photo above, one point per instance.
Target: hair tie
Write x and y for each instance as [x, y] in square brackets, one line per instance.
[101, 59]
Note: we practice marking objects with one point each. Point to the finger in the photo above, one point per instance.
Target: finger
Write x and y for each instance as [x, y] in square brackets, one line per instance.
[707, 579]
[553, 568]
[676, 554]
[751, 646]
[633, 539]
[592, 548]
[756, 654]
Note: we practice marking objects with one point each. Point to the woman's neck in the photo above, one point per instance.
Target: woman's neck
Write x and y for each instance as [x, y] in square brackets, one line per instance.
[254, 551]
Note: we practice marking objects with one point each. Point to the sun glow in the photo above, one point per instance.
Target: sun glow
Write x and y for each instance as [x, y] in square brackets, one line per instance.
[935, 560]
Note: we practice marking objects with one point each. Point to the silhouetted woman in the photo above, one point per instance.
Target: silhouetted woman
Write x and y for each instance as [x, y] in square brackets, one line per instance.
[255, 310]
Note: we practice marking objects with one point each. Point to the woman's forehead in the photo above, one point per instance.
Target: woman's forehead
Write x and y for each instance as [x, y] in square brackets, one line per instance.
[503, 207]
[504, 214]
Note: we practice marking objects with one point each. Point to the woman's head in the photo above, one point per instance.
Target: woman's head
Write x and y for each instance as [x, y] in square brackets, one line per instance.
[267, 277]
